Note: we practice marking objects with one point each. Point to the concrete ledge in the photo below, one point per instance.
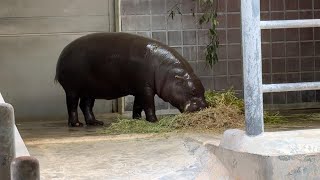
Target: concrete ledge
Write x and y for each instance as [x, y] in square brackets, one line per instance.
[7, 122]
[273, 143]
[276, 155]
[7, 148]
[25, 168]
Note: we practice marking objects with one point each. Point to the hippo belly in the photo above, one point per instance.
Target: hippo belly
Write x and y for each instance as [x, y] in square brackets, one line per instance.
[94, 82]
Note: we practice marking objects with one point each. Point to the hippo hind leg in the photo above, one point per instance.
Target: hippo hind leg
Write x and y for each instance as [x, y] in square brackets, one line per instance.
[137, 107]
[72, 106]
[86, 106]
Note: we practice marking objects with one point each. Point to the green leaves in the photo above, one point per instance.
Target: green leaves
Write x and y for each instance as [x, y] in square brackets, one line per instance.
[175, 9]
[208, 16]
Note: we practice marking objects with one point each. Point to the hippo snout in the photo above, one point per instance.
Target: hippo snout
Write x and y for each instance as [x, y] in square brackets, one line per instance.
[196, 104]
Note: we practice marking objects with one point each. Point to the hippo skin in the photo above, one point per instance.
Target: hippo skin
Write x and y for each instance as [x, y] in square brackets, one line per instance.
[113, 65]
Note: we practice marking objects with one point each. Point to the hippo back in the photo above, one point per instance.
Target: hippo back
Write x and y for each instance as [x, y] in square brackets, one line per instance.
[112, 65]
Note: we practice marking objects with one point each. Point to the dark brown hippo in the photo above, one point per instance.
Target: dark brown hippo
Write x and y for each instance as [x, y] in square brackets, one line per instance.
[113, 65]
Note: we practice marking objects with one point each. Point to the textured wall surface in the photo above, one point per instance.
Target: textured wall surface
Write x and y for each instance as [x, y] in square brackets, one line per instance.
[32, 35]
[183, 33]
[289, 55]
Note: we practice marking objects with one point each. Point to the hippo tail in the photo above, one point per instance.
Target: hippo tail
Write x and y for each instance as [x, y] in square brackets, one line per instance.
[55, 79]
[61, 56]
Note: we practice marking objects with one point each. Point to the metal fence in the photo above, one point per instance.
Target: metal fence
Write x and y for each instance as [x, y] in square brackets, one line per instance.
[252, 63]
[15, 160]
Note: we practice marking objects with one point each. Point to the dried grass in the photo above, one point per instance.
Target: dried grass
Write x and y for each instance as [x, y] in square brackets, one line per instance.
[225, 111]
[221, 116]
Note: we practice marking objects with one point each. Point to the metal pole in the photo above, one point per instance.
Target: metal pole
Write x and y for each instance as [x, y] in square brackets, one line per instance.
[25, 168]
[117, 18]
[252, 66]
[291, 87]
[7, 143]
[281, 24]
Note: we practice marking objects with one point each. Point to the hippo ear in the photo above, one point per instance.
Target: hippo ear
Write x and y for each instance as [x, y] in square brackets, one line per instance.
[186, 76]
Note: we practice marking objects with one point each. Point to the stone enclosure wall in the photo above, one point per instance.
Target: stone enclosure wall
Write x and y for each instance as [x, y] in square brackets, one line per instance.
[32, 35]
[289, 55]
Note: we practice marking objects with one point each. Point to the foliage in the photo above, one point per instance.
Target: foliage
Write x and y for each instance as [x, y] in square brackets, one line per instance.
[274, 118]
[227, 98]
[208, 16]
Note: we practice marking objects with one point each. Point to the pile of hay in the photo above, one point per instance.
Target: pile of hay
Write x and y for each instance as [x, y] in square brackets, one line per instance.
[225, 111]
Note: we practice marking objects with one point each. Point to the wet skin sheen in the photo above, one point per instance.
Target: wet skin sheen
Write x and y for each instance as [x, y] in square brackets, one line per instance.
[113, 65]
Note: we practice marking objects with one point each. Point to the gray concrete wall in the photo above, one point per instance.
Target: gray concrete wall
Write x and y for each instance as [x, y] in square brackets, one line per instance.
[32, 35]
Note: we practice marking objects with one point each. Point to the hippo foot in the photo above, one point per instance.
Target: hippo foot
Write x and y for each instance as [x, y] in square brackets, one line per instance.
[136, 116]
[152, 119]
[75, 124]
[94, 123]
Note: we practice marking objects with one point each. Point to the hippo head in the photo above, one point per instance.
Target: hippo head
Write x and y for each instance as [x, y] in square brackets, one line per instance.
[187, 93]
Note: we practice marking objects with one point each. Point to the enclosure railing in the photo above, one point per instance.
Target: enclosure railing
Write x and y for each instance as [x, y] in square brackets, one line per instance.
[15, 160]
[252, 63]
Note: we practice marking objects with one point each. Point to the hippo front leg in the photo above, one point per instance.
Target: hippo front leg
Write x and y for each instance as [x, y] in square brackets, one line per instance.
[137, 107]
[148, 105]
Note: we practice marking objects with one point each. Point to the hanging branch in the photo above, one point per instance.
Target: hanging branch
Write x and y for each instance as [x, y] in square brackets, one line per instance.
[209, 16]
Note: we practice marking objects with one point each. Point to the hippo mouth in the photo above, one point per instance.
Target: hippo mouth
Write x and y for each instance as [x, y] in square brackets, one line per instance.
[196, 104]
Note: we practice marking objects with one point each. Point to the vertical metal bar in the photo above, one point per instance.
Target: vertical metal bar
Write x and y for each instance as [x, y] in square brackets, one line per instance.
[117, 17]
[7, 143]
[25, 168]
[252, 66]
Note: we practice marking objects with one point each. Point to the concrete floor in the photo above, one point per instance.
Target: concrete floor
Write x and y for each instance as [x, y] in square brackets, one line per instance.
[82, 153]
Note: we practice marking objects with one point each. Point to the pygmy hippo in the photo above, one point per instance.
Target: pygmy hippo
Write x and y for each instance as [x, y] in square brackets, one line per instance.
[113, 65]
